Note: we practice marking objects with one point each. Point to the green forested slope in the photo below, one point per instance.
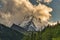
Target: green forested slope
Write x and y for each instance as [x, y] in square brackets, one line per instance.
[49, 33]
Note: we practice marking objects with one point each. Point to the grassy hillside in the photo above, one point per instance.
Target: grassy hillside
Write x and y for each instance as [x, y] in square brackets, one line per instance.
[49, 33]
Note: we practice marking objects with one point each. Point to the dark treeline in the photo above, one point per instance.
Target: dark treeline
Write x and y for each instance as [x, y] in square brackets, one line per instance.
[49, 33]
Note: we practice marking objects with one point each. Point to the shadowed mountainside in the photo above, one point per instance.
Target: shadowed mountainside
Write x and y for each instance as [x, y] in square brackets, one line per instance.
[49, 33]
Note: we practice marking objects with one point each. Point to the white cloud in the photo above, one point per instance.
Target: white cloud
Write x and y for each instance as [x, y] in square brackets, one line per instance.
[14, 11]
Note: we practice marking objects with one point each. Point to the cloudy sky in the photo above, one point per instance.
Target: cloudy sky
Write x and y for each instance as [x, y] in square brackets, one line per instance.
[14, 11]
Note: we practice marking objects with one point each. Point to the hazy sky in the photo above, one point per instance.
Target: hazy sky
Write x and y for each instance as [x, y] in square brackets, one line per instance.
[55, 4]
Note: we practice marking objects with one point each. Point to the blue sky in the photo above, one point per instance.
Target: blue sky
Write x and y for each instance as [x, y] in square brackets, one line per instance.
[55, 4]
[56, 10]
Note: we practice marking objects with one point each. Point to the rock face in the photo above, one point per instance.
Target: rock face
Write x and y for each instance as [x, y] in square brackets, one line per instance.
[33, 24]
[16, 27]
[29, 25]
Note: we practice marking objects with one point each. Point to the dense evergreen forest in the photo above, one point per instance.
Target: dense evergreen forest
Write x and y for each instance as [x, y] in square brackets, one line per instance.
[49, 33]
